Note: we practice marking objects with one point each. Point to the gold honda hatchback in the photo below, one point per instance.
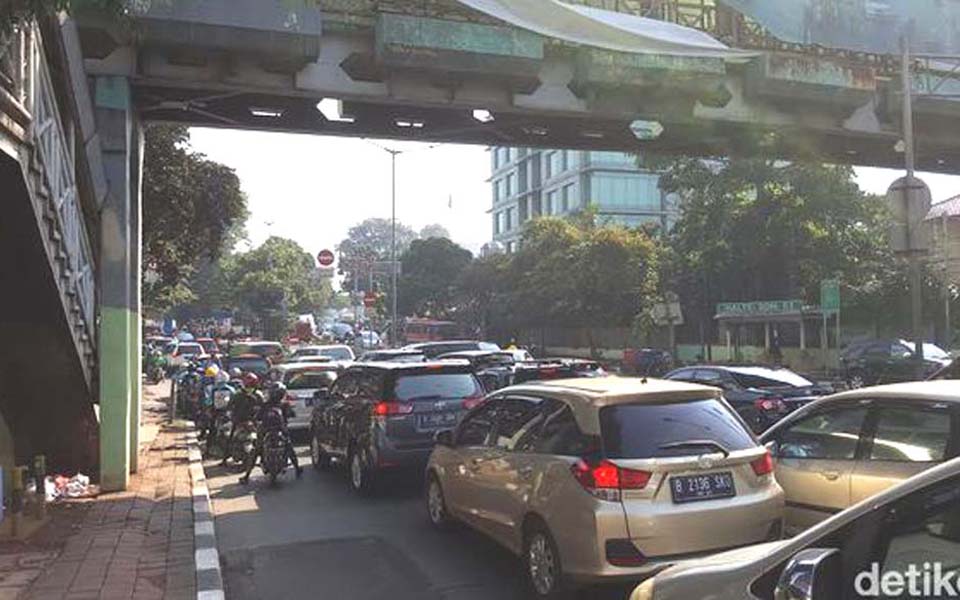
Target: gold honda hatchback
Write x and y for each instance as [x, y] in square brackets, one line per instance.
[590, 480]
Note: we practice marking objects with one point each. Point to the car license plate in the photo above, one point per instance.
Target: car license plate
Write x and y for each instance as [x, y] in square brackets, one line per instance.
[693, 488]
[437, 420]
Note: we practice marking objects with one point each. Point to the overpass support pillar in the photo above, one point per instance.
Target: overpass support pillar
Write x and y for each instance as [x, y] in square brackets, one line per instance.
[119, 286]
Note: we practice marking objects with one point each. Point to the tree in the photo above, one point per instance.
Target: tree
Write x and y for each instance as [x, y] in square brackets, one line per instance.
[483, 288]
[266, 286]
[753, 229]
[193, 210]
[369, 242]
[575, 273]
[431, 269]
[434, 231]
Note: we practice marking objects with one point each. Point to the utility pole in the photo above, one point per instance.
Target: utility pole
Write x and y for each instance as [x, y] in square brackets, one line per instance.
[947, 329]
[916, 281]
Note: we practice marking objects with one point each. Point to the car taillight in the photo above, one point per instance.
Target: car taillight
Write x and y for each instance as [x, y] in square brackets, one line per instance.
[763, 465]
[605, 479]
[384, 409]
[769, 404]
[472, 402]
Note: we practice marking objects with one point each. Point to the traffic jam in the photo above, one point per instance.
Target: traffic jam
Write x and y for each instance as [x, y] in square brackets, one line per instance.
[756, 477]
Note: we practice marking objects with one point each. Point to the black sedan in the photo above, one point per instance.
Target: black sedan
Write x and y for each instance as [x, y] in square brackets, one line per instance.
[762, 395]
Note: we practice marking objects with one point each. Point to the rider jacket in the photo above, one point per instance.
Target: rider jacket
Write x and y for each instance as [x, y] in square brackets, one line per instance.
[245, 404]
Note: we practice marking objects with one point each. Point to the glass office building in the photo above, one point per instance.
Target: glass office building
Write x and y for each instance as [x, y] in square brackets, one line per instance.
[528, 182]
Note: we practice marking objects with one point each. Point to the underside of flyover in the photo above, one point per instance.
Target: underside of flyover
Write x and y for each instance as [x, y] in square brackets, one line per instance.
[43, 399]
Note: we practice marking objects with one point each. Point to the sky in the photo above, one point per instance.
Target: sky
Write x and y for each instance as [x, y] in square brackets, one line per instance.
[312, 189]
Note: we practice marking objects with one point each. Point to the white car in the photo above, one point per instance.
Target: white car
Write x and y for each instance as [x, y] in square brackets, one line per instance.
[339, 352]
[913, 527]
[302, 381]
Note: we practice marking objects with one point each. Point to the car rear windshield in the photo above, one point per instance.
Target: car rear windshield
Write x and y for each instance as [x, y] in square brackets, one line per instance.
[337, 353]
[677, 429]
[436, 385]
[190, 349]
[255, 365]
[309, 381]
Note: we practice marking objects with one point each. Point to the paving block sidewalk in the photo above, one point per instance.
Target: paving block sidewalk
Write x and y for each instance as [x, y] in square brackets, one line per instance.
[138, 543]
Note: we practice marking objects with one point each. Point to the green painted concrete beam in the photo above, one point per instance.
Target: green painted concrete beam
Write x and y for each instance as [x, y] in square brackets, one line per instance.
[798, 78]
[628, 71]
[401, 31]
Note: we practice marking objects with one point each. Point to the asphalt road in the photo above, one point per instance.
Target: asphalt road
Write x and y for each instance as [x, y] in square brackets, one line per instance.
[313, 538]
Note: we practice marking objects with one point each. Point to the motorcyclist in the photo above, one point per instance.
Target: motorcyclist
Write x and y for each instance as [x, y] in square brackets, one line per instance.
[243, 406]
[272, 417]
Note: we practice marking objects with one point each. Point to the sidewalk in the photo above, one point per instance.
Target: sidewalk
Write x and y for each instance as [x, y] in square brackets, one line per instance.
[138, 543]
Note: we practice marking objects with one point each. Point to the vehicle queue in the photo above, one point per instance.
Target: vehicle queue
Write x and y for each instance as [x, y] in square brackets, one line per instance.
[589, 477]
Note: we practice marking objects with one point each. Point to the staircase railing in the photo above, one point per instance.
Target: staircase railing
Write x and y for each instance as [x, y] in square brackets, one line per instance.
[30, 98]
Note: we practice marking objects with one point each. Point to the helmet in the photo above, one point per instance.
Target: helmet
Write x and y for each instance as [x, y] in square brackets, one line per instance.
[250, 380]
[236, 373]
[278, 391]
[211, 371]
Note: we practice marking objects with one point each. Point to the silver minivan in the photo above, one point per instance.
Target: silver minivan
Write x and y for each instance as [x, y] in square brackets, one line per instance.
[607, 478]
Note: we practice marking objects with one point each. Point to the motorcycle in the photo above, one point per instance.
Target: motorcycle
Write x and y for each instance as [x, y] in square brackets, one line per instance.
[244, 445]
[219, 427]
[274, 461]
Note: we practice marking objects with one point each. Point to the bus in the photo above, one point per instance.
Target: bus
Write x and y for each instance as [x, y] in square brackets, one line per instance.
[428, 330]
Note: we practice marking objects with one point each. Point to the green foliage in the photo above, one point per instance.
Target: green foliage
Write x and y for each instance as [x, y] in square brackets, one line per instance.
[753, 229]
[193, 210]
[369, 242]
[579, 274]
[434, 231]
[274, 281]
[431, 268]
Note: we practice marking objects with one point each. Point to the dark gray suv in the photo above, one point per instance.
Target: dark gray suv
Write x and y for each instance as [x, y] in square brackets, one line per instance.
[383, 416]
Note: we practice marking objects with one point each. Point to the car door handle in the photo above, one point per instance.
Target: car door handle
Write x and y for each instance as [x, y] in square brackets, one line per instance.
[831, 475]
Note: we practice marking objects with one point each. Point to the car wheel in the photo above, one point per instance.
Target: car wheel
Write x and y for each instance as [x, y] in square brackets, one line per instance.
[360, 475]
[318, 457]
[436, 504]
[541, 561]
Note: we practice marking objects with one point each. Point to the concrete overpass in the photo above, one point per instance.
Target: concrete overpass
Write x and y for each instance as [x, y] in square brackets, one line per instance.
[402, 69]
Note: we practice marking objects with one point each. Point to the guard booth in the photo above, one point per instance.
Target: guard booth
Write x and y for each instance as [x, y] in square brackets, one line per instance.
[772, 331]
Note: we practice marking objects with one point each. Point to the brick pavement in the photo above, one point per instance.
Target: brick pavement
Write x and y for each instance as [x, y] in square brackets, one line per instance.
[138, 543]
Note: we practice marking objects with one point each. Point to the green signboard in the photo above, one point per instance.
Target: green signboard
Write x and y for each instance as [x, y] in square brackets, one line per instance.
[830, 295]
[759, 308]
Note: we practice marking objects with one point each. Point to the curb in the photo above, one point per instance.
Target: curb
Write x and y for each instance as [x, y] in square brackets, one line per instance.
[206, 557]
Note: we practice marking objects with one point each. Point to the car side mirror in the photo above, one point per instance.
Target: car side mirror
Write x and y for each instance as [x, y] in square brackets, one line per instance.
[444, 437]
[812, 574]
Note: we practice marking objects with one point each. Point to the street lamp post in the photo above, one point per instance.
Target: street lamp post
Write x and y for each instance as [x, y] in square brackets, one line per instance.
[393, 244]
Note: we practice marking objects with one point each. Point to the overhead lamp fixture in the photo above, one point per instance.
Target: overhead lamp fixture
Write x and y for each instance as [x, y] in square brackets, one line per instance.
[594, 135]
[483, 115]
[410, 124]
[646, 130]
[332, 110]
[271, 113]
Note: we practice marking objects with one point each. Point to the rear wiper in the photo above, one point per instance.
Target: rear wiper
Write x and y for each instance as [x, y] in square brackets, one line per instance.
[697, 444]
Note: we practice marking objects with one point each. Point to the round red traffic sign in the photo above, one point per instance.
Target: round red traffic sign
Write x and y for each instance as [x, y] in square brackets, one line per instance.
[325, 258]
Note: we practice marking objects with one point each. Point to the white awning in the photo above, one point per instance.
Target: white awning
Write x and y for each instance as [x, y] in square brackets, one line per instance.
[606, 29]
